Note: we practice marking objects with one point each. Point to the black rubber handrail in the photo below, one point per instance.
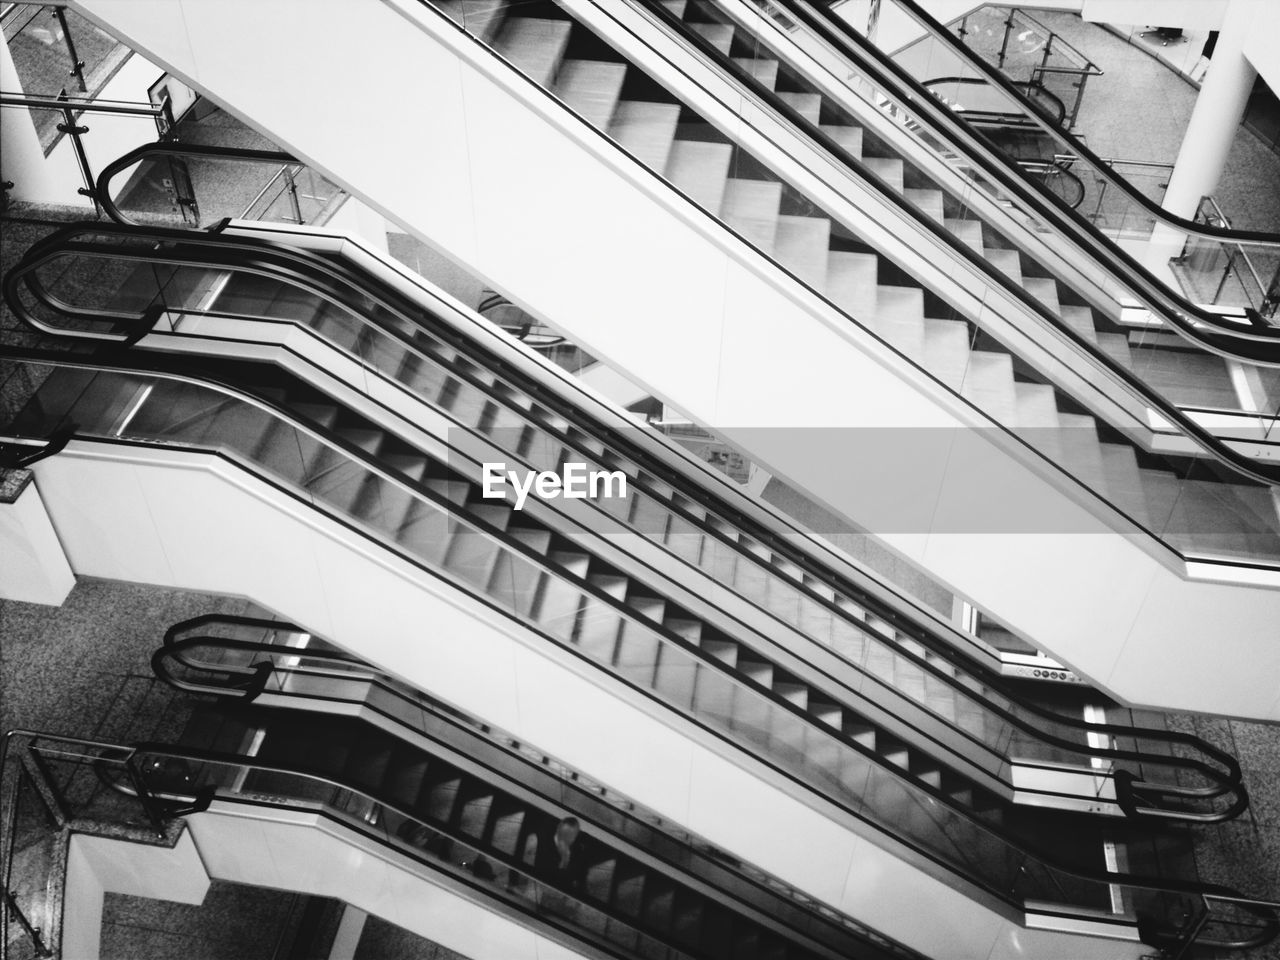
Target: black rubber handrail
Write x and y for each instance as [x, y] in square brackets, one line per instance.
[102, 186]
[1228, 781]
[656, 838]
[249, 683]
[1156, 884]
[156, 753]
[1017, 119]
[119, 360]
[1258, 343]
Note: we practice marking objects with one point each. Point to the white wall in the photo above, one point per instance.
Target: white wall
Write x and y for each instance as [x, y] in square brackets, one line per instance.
[192, 521]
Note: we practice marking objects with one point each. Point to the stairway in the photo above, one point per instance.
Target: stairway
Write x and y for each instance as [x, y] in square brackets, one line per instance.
[716, 174]
[454, 816]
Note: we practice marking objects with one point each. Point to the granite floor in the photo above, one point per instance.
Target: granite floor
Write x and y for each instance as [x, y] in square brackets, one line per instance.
[235, 922]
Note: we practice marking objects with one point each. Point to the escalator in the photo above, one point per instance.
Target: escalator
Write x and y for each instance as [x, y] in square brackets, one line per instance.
[803, 712]
[463, 799]
[510, 408]
[1164, 478]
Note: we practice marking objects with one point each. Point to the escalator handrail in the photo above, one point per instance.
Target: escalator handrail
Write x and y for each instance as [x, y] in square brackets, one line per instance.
[1157, 884]
[102, 186]
[1015, 119]
[175, 647]
[1182, 315]
[1229, 781]
[1256, 345]
[1129, 789]
[168, 751]
[121, 362]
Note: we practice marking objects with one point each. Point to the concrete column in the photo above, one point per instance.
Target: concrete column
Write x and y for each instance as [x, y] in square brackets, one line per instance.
[1216, 115]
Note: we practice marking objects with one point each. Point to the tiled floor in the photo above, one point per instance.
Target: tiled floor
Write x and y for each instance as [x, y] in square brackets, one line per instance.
[235, 922]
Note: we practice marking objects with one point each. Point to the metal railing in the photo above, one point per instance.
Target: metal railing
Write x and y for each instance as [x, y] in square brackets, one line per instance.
[73, 107]
[1051, 62]
[50, 786]
[1256, 277]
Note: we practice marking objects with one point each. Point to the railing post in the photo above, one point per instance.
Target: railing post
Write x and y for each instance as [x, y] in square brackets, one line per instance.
[144, 796]
[1226, 272]
[291, 187]
[75, 132]
[1271, 297]
[1004, 42]
[33, 932]
[77, 65]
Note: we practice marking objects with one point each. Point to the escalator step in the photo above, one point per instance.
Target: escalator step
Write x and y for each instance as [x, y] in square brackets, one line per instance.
[591, 89]
[675, 675]
[480, 18]
[646, 130]
[719, 35]
[472, 556]
[808, 105]
[440, 797]
[384, 505]
[599, 880]
[508, 829]
[700, 170]
[538, 540]
[598, 629]
[575, 564]
[370, 761]
[658, 906]
[687, 924]
[422, 376]
[649, 516]
[652, 609]
[534, 46]
[628, 894]
[405, 777]
[848, 137]
[557, 606]
[473, 817]
[783, 600]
